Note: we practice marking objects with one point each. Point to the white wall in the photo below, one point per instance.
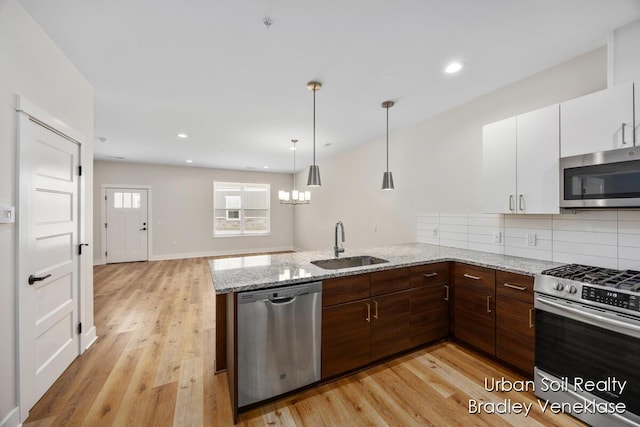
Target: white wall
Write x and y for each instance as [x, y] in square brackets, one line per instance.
[182, 208]
[32, 66]
[436, 164]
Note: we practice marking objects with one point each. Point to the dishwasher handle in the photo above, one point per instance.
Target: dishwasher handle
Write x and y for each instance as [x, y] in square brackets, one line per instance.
[282, 301]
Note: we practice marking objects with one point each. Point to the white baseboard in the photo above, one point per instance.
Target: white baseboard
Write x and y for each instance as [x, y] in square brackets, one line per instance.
[12, 419]
[100, 261]
[89, 338]
[218, 253]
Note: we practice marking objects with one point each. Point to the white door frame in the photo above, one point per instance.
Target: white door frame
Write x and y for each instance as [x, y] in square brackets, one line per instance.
[103, 217]
[47, 120]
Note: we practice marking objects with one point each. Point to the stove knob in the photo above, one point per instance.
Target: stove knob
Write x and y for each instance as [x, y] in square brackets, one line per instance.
[558, 286]
[571, 289]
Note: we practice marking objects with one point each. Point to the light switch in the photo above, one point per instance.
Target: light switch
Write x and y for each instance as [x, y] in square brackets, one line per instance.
[7, 214]
[497, 236]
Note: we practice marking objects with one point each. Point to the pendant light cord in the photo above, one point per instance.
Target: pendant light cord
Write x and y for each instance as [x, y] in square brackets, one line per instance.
[294, 165]
[314, 125]
[387, 139]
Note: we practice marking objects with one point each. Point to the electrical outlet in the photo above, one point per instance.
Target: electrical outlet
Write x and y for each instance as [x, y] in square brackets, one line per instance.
[531, 239]
[434, 232]
[497, 236]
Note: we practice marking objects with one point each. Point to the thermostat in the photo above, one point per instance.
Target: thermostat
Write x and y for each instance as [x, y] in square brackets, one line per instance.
[7, 214]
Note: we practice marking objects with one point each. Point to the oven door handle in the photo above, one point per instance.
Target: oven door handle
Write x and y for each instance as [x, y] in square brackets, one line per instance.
[593, 317]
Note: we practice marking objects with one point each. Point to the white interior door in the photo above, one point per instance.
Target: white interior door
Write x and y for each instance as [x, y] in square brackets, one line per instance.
[48, 262]
[127, 225]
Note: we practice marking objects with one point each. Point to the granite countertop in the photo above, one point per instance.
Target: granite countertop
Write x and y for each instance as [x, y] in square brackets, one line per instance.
[267, 271]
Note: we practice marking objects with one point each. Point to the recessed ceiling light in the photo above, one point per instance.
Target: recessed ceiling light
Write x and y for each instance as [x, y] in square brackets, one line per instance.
[189, 161]
[266, 167]
[182, 135]
[453, 67]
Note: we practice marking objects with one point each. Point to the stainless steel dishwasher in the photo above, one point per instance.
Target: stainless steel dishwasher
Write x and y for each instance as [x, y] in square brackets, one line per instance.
[279, 333]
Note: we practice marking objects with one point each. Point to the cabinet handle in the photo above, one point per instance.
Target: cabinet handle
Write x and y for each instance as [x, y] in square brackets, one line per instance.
[520, 288]
[488, 303]
[368, 311]
[521, 202]
[430, 274]
[624, 140]
[531, 318]
[468, 276]
[510, 202]
[446, 297]
[375, 315]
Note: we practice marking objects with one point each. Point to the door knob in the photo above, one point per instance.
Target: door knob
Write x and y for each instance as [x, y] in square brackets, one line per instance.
[33, 279]
[143, 229]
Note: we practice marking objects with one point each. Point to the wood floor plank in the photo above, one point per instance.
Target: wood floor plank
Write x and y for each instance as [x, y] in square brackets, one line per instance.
[188, 411]
[153, 365]
[106, 405]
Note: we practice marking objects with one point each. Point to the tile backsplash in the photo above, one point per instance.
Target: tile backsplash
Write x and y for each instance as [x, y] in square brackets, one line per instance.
[600, 238]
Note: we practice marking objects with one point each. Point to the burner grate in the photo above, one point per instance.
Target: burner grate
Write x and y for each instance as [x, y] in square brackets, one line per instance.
[621, 279]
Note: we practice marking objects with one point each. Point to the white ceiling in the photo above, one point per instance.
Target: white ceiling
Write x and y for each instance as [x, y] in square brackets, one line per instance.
[211, 69]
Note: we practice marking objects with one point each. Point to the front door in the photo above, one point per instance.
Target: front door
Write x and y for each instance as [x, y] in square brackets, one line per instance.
[127, 225]
[49, 224]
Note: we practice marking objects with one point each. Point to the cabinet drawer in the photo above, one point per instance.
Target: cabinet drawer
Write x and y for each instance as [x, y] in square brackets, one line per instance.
[515, 286]
[476, 277]
[429, 274]
[345, 289]
[384, 282]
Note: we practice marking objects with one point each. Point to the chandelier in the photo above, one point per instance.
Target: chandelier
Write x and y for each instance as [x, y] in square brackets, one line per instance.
[294, 197]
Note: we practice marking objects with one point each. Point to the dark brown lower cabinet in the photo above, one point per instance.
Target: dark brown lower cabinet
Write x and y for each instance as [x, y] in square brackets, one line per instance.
[345, 337]
[429, 319]
[515, 334]
[474, 314]
[515, 320]
[390, 326]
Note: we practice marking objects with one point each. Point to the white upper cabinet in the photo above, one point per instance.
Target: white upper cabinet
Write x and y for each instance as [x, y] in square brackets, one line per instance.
[520, 163]
[600, 121]
[499, 166]
[538, 165]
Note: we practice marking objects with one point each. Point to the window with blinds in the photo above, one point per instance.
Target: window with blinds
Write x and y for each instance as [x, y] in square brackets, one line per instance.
[241, 209]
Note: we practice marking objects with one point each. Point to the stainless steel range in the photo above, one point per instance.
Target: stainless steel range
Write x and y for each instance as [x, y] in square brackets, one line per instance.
[588, 343]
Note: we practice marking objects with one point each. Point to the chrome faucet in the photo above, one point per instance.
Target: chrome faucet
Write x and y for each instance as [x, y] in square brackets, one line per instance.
[336, 249]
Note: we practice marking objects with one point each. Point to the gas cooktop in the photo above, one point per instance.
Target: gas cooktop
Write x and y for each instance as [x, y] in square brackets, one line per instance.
[616, 290]
[620, 279]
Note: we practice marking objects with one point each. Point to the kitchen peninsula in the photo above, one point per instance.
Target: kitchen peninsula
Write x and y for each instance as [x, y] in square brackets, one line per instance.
[374, 312]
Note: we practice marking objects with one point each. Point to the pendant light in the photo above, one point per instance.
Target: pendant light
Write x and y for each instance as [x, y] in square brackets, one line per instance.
[387, 178]
[314, 171]
[296, 197]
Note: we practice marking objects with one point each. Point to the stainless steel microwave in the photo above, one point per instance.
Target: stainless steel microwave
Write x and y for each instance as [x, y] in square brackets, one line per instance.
[608, 179]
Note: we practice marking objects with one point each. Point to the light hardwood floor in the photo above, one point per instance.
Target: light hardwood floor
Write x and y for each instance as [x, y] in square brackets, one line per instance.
[153, 366]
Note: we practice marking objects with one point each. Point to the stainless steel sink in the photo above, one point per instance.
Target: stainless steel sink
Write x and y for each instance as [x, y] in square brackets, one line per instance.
[354, 261]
